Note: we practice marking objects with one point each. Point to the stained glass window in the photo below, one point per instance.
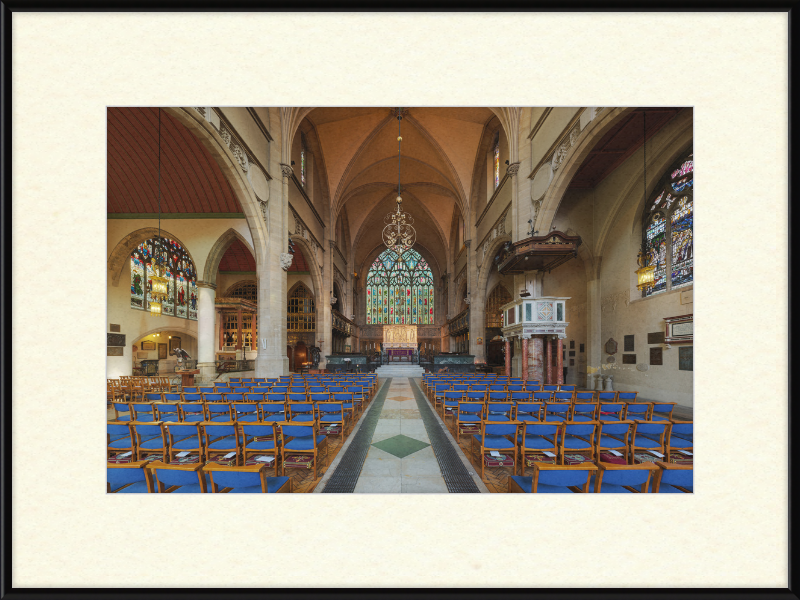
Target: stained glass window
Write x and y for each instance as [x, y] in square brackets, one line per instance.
[497, 161]
[399, 289]
[496, 300]
[178, 270]
[244, 289]
[303, 160]
[667, 228]
[302, 310]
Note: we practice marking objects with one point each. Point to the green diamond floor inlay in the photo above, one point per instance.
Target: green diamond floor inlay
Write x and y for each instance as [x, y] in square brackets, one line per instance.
[400, 445]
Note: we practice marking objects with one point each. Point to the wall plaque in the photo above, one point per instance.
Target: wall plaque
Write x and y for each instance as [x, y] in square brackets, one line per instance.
[628, 359]
[628, 343]
[611, 346]
[114, 351]
[679, 330]
[656, 356]
[685, 358]
[655, 338]
[611, 359]
[113, 327]
[115, 339]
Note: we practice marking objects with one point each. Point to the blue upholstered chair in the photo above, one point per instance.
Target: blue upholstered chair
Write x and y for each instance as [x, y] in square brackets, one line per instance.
[261, 439]
[184, 437]
[122, 411]
[142, 412]
[583, 411]
[246, 480]
[178, 478]
[627, 396]
[301, 412]
[333, 415]
[542, 396]
[450, 402]
[192, 412]
[566, 388]
[119, 439]
[611, 411]
[577, 438]
[554, 479]
[649, 435]
[562, 396]
[549, 387]
[622, 479]
[584, 396]
[299, 440]
[673, 478]
[468, 416]
[528, 411]
[499, 411]
[128, 478]
[536, 439]
[662, 411]
[273, 412]
[254, 396]
[637, 410]
[500, 436]
[556, 411]
[220, 439]
[190, 390]
[150, 438]
[614, 435]
[167, 411]
[606, 396]
[246, 412]
[680, 437]
[220, 411]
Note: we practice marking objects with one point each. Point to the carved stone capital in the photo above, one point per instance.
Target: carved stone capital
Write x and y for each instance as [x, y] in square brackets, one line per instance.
[332, 243]
[205, 284]
[513, 168]
[467, 243]
[286, 170]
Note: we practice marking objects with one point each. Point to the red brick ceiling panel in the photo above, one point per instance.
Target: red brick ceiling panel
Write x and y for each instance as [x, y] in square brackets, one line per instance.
[622, 140]
[299, 263]
[237, 258]
[191, 180]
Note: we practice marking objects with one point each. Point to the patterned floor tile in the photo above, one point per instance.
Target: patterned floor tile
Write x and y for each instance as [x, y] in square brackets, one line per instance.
[401, 445]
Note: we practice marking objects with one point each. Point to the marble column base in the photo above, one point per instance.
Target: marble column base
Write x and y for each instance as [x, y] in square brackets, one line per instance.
[207, 374]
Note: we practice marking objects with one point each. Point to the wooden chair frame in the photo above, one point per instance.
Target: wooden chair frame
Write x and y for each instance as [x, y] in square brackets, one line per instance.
[539, 466]
[141, 464]
[260, 469]
[603, 467]
[162, 489]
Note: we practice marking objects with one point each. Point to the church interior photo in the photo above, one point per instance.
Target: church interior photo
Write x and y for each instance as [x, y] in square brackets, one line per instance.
[400, 299]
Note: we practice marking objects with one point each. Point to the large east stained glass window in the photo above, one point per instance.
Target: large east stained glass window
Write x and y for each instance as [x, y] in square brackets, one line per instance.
[668, 220]
[179, 271]
[399, 289]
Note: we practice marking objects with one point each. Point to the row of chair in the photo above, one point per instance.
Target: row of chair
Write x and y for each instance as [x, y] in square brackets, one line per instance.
[605, 478]
[127, 387]
[625, 442]
[520, 392]
[159, 477]
[229, 443]
[240, 412]
[525, 409]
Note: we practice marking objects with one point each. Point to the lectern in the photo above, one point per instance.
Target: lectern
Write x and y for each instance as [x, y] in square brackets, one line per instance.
[187, 377]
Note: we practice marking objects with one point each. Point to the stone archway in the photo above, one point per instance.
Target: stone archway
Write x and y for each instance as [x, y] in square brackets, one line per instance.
[117, 260]
[218, 251]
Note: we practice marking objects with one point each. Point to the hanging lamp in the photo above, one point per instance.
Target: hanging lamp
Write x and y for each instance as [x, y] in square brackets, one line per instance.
[158, 283]
[645, 274]
[399, 233]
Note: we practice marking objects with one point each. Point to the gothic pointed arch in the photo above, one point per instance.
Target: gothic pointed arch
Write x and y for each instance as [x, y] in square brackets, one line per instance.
[218, 250]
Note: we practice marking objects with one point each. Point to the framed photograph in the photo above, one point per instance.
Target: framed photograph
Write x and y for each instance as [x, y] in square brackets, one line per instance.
[174, 342]
[148, 345]
[162, 351]
[686, 358]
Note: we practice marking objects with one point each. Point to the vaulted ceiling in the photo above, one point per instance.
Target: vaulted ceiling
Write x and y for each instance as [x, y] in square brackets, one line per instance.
[191, 180]
[360, 151]
[237, 258]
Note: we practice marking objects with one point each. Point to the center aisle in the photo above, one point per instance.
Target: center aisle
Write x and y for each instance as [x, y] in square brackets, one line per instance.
[400, 458]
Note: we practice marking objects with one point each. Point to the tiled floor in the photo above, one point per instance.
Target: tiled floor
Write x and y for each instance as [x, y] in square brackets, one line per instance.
[400, 457]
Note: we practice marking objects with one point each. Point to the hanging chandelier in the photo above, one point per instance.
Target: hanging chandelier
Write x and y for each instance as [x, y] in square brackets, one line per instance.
[158, 283]
[399, 233]
[645, 274]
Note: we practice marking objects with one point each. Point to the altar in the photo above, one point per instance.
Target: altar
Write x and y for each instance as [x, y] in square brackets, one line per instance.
[400, 342]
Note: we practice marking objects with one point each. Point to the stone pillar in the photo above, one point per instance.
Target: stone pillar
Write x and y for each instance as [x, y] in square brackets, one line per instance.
[239, 354]
[589, 381]
[560, 361]
[206, 312]
[508, 357]
[477, 307]
[538, 359]
[525, 358]
[594, 355]
[221, 329]
[549, 380]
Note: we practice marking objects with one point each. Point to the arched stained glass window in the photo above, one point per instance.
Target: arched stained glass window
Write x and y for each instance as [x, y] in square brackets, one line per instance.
[399, 289]
[498, 297]
[668, 220]
[497, 160]
[244, 289]
[303, 160]
[179, 272]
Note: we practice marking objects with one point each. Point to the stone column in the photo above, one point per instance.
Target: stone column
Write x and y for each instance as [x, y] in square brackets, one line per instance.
[594, 355]
[477, 306]
[508, 357]
[525, 358]
[221, 329]
[239, 353]
[206, 312]
[560, 361]
[549, 380]
[538, 359]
